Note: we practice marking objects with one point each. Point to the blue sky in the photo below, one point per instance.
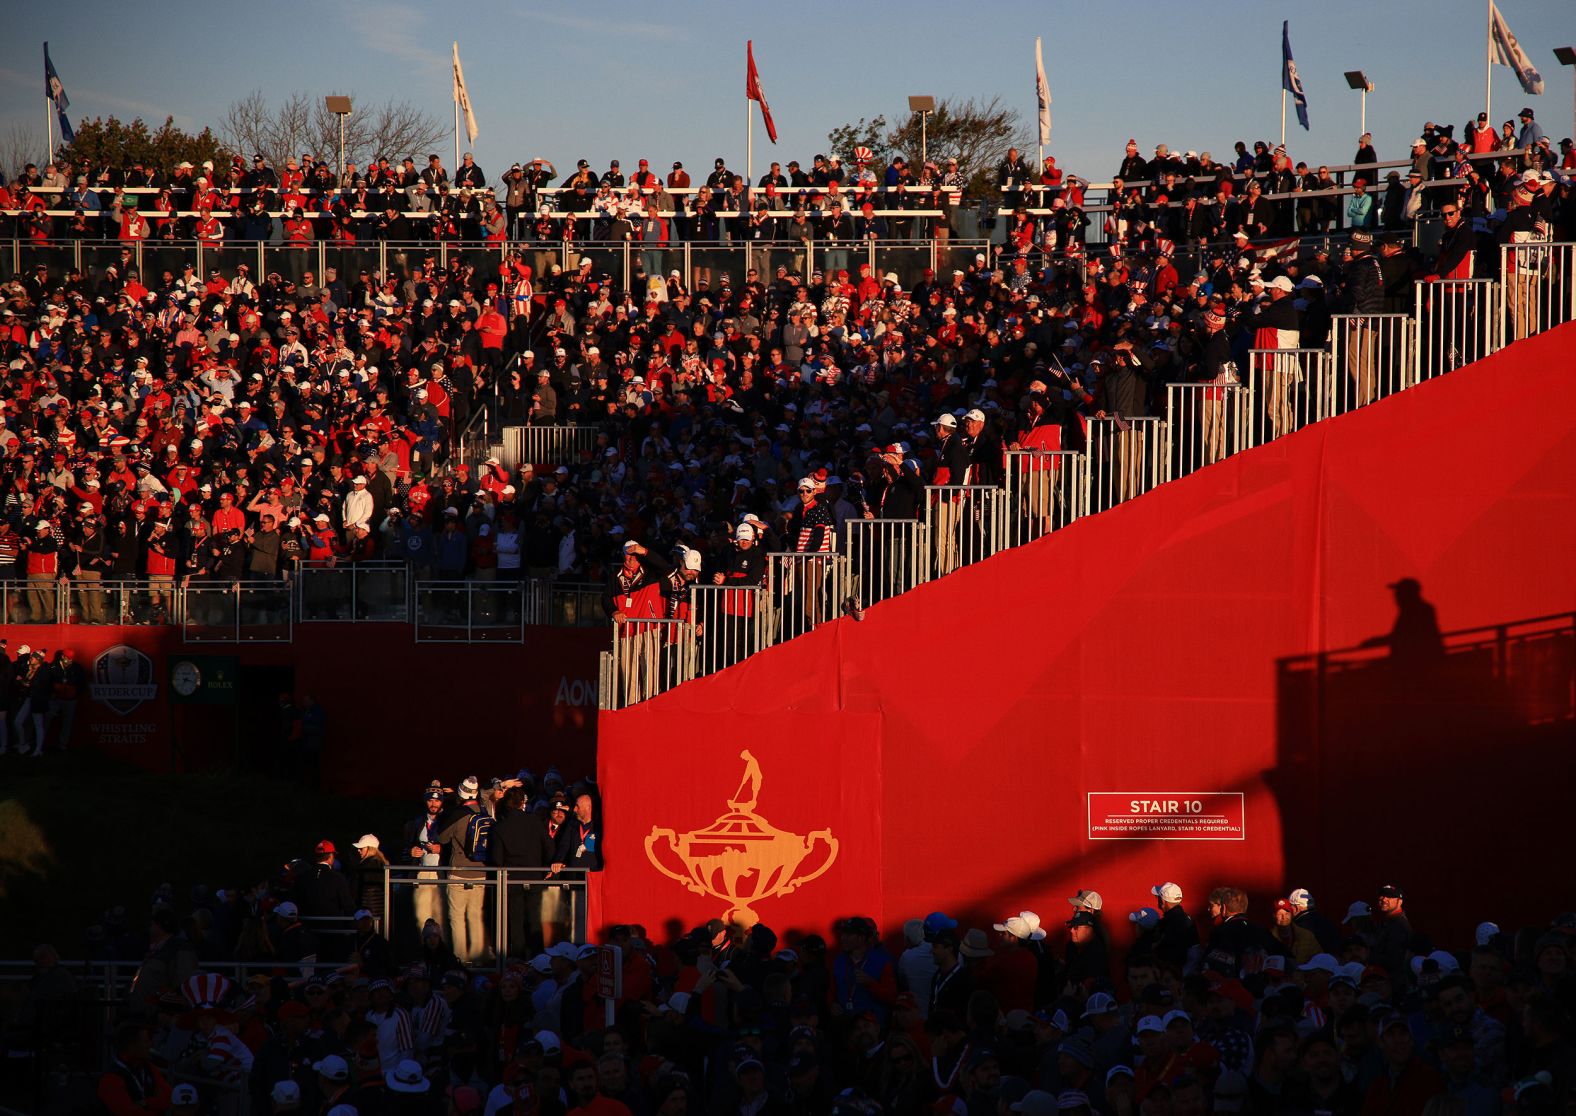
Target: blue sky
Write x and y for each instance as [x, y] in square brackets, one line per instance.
[665, 81]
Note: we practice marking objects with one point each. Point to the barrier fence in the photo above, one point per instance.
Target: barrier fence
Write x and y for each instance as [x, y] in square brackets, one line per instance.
[1127, 457]
[803, 591]
[458, 611]
[1538, 288]
[1457, 323]
[1207, 423]
[1046, 490]
[236, 612]
[730, 624]
[361, 592]
[1288, 389]
[965, 524]
[885, 557]
[547, 445]
[1372, 357]
[648, 657]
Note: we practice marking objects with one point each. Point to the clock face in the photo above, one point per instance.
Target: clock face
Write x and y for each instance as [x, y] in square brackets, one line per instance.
[186, 678]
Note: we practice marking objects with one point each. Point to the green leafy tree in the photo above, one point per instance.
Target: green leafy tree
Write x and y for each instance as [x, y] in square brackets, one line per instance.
[110, 142]
[977, 133]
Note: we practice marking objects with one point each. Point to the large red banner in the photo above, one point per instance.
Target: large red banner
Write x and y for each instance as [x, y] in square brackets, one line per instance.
[1341, 658]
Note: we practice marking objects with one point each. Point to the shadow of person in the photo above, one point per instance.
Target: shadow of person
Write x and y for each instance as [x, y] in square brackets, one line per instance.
[1414, 640]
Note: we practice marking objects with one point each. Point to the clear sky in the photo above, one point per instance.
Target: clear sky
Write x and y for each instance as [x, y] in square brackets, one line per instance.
[666, 81]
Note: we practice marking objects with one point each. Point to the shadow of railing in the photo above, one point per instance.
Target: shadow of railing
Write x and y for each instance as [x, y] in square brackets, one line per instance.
[1449, 748]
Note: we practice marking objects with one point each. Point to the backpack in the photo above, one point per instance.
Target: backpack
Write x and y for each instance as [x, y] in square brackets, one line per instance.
[478, 836]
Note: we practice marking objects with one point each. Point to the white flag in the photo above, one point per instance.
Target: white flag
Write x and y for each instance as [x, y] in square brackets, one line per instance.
[1504, 49]
[1042, 90]
[462, 98]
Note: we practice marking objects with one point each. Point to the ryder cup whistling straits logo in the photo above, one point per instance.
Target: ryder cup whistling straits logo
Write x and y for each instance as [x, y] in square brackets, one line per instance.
[741, 858]
[122, 679]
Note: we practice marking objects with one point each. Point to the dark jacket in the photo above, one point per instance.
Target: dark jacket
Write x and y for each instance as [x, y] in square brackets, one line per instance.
[519, 840]
[576, 852]
[324, 892]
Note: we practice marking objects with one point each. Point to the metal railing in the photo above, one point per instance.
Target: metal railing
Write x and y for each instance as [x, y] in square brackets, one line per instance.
[1458, 322]
[1288, 389]
[1205, 423]
[1538, 288]
[512, 898]
[731, 623]
[965, 524]
[574, 605]
[648, 657]
[358, 593]
[547, 445]
[1046, 490]
[1371, 355]
[803, 591]
[885, 557]
[236, 612]
[1126, 458]
[457, 611]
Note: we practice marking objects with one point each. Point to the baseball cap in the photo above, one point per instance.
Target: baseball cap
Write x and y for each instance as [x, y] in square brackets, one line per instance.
[1087, 900]
[1167, 893]
[183, 1095]
[333, 1067]
[1358, 909]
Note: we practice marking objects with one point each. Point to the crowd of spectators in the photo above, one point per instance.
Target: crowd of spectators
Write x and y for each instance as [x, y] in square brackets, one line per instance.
[1211, 1007]
[215, 429]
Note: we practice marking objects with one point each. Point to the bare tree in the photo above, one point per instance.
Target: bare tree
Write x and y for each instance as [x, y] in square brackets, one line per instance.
[20, 145]
[302, 124]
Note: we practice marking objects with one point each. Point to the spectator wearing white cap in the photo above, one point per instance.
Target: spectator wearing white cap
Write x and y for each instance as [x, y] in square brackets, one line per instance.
[366, 874]
[1012, 972]
[951, 468]
[1176, 937]
[1307, 916]
[465, 853]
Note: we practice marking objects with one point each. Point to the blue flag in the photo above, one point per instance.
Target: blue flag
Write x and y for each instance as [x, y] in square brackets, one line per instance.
[1290, 81]
[56, 92]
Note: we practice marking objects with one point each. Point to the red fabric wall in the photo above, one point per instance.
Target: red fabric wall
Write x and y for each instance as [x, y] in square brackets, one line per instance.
[400, 713]
[1194, 640]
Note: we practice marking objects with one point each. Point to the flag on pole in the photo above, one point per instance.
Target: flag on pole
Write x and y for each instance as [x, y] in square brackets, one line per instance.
[752, 89]
[1505, 50]
[462, 98]
[1290, 81]
[56, 92]
[1042, 90]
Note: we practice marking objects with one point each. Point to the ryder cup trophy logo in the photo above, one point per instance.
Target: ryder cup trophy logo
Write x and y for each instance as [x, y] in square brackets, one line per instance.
[741, 858]
[122, 679]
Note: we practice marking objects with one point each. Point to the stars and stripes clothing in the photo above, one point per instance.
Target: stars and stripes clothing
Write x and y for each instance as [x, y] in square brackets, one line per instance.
[396, 1036]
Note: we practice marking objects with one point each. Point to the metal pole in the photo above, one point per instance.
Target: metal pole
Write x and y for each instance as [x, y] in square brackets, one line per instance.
[456, 128]
[1363, 124]
[1488, 69]
[924, 138]
[1283, 115]
[749, 145]
[341, 173]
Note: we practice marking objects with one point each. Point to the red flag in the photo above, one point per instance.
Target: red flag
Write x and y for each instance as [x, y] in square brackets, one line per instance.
[752, 89]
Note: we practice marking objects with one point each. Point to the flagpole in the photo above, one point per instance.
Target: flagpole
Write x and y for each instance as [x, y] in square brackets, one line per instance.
[1488, 75]
[1283, 114]
[456, 133]
[49, 117]
[454, 93]
[749, 144]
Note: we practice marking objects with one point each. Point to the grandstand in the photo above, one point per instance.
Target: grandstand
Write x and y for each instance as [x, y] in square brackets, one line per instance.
[924, 537]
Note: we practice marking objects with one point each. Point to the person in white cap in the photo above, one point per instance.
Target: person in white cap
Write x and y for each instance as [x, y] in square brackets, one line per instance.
[366, 875]
[951, 469]
[1176, 937]
[1012, 974]
[1276, 325]
[463, 838]
[1306, 915]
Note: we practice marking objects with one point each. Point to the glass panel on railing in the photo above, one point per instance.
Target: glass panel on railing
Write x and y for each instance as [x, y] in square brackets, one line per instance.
[290, 262]
[99, 256]
[160, 256]
[212, 612]
[227, 258]
[58, 257]
[907, 262]
[710, 262]
[264, 612]
[607, 262]
[348, 261]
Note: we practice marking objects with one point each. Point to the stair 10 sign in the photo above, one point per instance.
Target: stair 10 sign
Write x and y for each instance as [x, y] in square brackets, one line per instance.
[1167, 816]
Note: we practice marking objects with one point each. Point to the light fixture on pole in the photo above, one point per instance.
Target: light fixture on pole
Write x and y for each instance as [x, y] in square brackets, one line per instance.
[924, 106]
[1567, 57]
[1359, 81]
[340, 107]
